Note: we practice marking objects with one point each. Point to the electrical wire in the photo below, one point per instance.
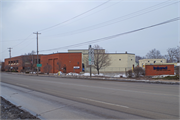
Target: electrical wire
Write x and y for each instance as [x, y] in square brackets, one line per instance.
[74, 17]
[114, 36]
[106, 23]
[101, 24]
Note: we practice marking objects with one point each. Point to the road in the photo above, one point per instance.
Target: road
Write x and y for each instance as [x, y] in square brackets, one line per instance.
[141, 100]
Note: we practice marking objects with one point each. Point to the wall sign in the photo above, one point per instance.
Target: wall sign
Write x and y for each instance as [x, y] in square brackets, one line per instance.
[76, 67]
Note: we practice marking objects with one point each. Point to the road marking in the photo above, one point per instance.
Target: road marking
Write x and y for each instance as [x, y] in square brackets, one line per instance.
[22, 85]
[103, 102]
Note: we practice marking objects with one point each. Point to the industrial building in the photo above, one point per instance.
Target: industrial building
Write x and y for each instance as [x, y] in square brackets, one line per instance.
[144, 62]
[65, 62]
[21, 63]
[120, 62]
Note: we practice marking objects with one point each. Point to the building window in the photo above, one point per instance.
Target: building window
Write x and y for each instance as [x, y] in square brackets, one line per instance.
[78, 63]
[161, 61]
[154, 61]
[131, 59]
[148, 61]
[119, 59]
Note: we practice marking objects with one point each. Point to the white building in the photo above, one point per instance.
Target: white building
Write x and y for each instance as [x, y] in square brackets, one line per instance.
[143, 62]
[120, 62]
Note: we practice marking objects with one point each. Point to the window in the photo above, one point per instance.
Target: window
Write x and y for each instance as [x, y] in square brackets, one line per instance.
[119, 59]
[78, 63]
[131, 59]
[161, 61]
[16, 61]
[148, 61]
[154, 61]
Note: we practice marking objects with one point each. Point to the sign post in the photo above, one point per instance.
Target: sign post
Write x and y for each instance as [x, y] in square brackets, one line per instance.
[90, 57]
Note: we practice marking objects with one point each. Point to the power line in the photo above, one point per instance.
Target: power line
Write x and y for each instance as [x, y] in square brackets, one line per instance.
[74, 17]
[91, 27]
[114, 36]
[102, 24]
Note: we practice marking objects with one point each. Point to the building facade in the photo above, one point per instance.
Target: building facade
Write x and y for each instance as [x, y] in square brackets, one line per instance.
[64, 62]
[120, 62]
[143, 62]
[22, 63]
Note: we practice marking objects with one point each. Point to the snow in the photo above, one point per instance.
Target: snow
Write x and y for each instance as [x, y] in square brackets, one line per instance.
[100, 74]
[161, 76]
[87, 74]
[123, 75]
[73, 74]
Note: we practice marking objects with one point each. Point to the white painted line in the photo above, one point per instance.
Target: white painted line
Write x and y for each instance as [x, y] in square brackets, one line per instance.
[103, 102]
[22, 85]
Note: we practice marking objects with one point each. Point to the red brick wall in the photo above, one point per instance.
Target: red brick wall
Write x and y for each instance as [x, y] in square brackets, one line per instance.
[20, 62]
[150, 71]
[68, 60]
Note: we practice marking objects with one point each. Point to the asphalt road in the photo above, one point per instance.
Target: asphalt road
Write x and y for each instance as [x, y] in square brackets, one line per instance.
[144, 100]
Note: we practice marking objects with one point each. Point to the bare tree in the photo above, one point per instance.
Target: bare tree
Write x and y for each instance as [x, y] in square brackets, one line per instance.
[154, 54]
[101, 59]
[138, 71]
[59, 66]
[137, 58]
[28, 61]
[47, 68]
[173, 55]
[177, 54]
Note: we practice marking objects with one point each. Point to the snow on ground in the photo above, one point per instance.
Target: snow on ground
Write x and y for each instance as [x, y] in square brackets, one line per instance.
[161, 76]
[73, 74]
[123, 75]
[87, 74]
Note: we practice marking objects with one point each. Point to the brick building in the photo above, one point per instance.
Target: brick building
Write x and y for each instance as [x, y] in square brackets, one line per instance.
[64, 62]
[21, 63]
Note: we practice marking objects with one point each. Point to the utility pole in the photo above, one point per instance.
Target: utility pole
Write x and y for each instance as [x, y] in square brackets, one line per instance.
[37, 50]
[10, 57]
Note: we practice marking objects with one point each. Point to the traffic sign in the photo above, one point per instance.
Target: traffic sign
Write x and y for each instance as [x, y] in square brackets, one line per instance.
[91, 56]
[39, 65]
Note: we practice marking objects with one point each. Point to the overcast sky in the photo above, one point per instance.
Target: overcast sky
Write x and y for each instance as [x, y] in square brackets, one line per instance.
[20, 18]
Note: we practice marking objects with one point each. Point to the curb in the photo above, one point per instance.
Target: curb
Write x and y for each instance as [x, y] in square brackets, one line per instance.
[110, 79]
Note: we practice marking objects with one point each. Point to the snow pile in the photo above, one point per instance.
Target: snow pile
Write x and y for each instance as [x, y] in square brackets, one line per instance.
[100, 74]
[72, 74]
[87, 74]
[123, 75]
[161, 76]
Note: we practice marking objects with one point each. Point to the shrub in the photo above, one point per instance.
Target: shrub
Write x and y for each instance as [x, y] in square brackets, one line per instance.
[129, 73]
[177, 70]
[138, 71]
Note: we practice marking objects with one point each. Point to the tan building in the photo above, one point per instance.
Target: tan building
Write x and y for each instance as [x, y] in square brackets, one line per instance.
[144, 62]
[119, 61]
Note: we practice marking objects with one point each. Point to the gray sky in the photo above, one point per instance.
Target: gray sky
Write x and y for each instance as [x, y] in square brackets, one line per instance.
[20, 18]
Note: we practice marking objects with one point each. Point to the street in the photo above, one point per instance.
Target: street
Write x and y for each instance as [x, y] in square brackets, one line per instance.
[133, 100]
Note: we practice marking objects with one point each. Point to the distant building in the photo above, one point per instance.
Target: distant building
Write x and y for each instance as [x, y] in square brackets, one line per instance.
[21, 63]
[119, 61]
[64, 62]
[143, 62]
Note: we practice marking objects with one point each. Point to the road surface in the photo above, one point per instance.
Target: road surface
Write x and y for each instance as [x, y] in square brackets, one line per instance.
[122, 100]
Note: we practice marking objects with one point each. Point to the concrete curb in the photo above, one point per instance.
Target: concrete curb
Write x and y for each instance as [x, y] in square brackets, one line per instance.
[109, 79]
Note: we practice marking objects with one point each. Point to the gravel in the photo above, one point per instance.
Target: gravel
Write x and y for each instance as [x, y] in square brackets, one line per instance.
[10, 111]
